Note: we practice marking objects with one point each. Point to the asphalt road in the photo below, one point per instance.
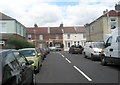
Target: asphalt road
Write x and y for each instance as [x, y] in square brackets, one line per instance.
[62, 67]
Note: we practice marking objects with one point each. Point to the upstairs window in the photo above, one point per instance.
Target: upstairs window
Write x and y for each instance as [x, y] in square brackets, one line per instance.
[118, 39]
[3, 27]
[68, 36]
[40, 37]
[113, 22]
[57, 37]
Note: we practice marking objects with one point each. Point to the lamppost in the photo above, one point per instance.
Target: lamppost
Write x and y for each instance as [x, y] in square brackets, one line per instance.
[35, 36]
[35, 25]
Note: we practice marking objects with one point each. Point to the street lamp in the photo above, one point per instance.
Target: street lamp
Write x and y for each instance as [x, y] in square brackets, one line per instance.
[35, 25]
[35, 36]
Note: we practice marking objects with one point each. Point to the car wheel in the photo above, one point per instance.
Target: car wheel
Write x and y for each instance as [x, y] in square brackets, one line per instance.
[38, 68]
[33, 79]
[85, 55]
[14, 81]
[69, 51]
[103, 61]
[92, 57]
[80, 52]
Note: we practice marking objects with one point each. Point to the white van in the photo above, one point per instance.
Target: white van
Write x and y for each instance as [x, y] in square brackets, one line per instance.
[111, 53]
[92, 50]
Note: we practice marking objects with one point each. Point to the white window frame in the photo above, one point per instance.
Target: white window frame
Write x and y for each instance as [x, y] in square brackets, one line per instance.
[40, 37]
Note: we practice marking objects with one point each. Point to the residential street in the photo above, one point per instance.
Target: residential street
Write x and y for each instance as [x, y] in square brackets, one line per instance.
[62, 67]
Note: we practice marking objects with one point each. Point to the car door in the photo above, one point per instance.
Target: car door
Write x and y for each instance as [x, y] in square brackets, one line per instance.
[26, 69]
[11, 70]
[108, 47]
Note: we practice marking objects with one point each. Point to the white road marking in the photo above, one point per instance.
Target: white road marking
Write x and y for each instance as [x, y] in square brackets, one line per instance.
[63, 56]
[89, 79]
[68, 60]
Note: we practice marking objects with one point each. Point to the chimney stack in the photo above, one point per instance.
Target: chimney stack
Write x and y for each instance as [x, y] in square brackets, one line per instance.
[61, 25]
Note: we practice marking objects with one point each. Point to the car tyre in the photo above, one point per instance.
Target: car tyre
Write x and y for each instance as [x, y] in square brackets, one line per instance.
[92, 57]
[33, 79]
[103, 61]
[85, 55]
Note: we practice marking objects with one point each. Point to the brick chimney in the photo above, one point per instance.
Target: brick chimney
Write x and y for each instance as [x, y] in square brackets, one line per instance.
[61, 25]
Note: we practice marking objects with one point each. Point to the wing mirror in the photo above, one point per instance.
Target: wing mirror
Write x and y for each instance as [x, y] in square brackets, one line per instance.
[30, 62]
[90, 46]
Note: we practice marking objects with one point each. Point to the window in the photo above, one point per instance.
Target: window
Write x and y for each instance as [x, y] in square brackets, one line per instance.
[68, 36]
[68, 44]
[74, 42]
[109, 41]
[40, 37]
[113, 23]
[92, 29]
[57, 37]
[3, 27]
[118, 39]
[84, 35]
[20, 58]
[29, 36]
[11, 66]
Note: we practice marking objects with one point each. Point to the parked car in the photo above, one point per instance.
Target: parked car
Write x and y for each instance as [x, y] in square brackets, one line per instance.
[111, 52]
[55, 48]
[15, 69]
[34, 55]
[42, 52]
[52, 48]
[92, 50]
[47, 50]
[76, 49]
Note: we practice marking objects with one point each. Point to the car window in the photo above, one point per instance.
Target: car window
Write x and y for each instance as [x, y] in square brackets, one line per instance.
[109, 41]
[98, 45]
[21, 59]
[28, 53]
[10, 66]
[118, 39]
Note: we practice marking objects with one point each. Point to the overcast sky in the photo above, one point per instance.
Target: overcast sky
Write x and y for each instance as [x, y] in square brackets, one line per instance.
[53, 12]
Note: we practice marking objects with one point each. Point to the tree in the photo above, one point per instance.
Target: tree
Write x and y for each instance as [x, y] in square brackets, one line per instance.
[19, 43]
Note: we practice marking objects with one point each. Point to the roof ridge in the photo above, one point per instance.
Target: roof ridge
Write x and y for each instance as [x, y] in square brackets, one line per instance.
[5, 17]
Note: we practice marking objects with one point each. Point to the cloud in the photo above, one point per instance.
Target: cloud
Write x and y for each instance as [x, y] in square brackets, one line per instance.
[42, 12]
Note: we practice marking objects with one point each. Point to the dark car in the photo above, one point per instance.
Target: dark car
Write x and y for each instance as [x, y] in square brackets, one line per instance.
[42, 52]
[15, 69]
[76, 49]
[47, 50]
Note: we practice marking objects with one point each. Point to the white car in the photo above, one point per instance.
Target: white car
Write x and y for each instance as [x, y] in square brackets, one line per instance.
[93, 49]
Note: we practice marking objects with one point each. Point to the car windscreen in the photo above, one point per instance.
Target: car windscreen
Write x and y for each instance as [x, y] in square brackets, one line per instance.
[28, 53]
[99, 45]
[78, 46]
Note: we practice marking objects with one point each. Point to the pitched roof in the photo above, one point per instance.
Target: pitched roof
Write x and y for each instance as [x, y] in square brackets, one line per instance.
[5, 17]
[111, 13]
[80, 29]
[39, 30]
[55, 30]
[69, 30]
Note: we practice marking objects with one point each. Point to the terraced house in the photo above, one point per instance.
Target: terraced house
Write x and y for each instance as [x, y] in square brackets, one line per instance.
[45, 36]
[56, 36]
[10, 27]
